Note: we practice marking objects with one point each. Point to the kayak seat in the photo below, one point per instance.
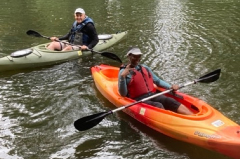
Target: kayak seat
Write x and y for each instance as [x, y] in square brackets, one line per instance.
[104, 36]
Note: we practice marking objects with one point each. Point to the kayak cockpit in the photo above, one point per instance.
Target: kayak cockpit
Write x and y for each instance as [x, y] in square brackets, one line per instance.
[198, 107]
[44, 48]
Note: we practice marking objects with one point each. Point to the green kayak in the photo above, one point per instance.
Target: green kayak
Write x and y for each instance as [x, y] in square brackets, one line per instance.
[41, 56]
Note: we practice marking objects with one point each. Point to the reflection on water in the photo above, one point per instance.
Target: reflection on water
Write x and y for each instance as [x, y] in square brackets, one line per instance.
[181, 41]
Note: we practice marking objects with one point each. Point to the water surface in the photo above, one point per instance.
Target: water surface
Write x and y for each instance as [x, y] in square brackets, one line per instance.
[181, 41]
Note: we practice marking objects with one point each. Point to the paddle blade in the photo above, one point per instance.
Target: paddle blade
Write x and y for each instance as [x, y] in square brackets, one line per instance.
[33, 33]
[111, 56]
[90, 121]
[210, 77]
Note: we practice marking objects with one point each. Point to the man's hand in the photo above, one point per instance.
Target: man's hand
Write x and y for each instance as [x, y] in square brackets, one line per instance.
[84, 47]
[126, 71]
[175, 87]
[54, 39]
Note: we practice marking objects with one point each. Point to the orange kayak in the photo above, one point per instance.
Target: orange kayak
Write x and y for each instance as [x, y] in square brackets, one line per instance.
[207, 128]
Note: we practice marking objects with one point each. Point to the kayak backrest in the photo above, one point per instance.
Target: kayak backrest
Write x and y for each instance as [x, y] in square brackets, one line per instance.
[104, 36]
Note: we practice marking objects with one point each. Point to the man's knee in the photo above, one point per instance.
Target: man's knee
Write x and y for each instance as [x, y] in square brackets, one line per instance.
[159, 105]
[182, 109]
[68, 48]
[54, 46]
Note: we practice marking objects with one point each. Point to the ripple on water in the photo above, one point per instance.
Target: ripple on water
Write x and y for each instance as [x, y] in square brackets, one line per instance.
[181, 40]
[7, 136]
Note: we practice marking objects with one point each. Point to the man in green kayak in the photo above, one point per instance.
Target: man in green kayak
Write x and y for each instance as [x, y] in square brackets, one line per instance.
[83, 34]
[137, 82]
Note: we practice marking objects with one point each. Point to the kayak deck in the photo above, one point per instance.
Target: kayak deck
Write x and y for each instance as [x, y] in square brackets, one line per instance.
[207, 128]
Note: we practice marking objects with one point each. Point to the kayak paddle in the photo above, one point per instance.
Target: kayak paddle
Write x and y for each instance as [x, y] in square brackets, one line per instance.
[36, 34]
[106, 54]
[90, 121]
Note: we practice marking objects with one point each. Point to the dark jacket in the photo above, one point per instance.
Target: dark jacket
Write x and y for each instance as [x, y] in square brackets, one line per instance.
[88, 29]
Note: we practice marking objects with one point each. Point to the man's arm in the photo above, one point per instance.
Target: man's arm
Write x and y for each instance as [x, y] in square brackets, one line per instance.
[92, 33]
[157, 80]
[122, 84]
[65, 37]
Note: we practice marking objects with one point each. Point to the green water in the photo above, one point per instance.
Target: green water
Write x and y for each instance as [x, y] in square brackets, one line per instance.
[181, 41]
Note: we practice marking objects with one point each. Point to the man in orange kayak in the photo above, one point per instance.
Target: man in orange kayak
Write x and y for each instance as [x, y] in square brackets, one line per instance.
[137, 82]
[83, 34]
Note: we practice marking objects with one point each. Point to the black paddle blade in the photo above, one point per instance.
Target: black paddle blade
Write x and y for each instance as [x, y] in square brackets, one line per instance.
[90, 121]
[33, 33]
[210, 77]
[111, 56]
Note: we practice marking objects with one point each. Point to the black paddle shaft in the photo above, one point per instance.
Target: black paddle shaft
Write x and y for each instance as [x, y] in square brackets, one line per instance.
[90, 121]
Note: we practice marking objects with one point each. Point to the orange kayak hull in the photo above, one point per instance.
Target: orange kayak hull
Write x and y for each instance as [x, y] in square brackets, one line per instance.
[207, 128]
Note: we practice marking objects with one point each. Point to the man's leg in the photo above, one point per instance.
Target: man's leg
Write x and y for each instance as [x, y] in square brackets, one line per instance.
[182, 109]
[156, 104]
[173, 105]
[55, 46]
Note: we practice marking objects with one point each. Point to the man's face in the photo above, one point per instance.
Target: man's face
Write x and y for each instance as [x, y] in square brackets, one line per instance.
[134, 59]
[79, 17]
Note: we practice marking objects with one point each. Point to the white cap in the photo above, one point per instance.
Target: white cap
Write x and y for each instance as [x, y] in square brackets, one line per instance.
[79, 10]
[134, 51]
